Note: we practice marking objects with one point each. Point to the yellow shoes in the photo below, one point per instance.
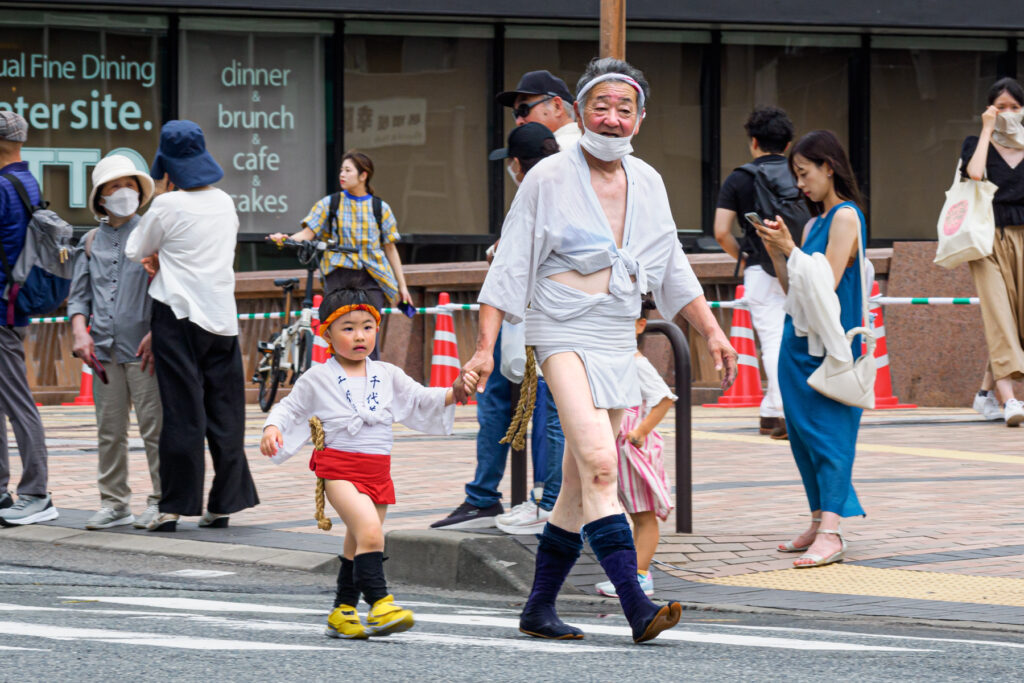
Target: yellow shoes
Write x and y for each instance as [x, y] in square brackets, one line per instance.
[386, 617]
[344, 622]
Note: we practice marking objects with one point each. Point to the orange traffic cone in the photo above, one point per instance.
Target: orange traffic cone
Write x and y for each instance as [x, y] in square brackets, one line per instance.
[84, 397]
[884, 398]
[444, 365]
[746, 391]
[321, 351]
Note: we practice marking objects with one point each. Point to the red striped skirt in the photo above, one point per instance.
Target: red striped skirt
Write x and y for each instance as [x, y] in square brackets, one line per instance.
[370, 474]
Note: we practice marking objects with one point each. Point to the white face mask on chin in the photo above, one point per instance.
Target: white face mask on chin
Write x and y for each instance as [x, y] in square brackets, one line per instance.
[512, 175]
[122, 203]
[606, 148]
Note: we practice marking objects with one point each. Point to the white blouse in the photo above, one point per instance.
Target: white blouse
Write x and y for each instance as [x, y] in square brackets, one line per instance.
[357, 413]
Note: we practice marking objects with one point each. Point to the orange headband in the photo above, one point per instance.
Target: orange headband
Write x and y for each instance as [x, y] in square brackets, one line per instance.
[324, 324]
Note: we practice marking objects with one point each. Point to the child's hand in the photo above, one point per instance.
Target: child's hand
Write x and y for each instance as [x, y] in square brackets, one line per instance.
[636, 437]
[271, 441]
[465, 385]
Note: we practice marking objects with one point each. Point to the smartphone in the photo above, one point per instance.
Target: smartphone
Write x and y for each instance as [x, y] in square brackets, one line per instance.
[407, 308]
[755, 219]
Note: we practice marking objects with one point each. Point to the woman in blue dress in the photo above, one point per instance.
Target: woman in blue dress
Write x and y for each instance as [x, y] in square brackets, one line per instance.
[822, 432]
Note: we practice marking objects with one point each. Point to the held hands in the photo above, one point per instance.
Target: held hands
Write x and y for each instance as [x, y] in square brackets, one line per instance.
[776, 236]
[145, 353]
[152, 264]
[988, 118]
[478, 369]
[725, 358]
[271, 441]
[464, 386]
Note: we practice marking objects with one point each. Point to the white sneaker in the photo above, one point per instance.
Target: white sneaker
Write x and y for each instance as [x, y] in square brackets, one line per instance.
[1013, 413]
[521, 512]
[147, 516]
[106, 518]
[525, 526]
[646, 581]
[986, 404]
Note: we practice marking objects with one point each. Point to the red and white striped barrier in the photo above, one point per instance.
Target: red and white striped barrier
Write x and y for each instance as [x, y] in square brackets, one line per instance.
[746, 390]
[444, 363]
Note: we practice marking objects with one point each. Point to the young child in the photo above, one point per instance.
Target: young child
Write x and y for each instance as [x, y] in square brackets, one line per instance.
[644, 490]
[356, 400]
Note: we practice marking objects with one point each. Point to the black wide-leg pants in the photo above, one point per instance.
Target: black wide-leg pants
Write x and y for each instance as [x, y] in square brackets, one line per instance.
[202, 387]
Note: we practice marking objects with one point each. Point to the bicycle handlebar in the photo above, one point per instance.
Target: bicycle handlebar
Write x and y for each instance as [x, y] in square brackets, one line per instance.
[330, 245]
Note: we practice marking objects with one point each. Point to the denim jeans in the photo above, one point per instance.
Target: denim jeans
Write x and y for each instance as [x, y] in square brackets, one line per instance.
[494, 414]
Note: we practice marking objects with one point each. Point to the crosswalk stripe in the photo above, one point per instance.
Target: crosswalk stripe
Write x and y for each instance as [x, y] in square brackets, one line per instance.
[195, 604]
[792, 629]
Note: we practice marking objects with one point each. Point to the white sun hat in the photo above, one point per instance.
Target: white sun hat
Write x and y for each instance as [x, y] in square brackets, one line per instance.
[119, 166]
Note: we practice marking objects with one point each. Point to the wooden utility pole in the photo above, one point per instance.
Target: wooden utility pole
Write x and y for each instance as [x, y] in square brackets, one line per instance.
[613, 29]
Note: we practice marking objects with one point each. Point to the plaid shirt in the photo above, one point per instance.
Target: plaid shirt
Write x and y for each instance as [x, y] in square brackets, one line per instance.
[357, 229]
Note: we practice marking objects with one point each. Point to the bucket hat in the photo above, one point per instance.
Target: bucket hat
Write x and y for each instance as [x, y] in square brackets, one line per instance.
[183, 157]
[119, 166]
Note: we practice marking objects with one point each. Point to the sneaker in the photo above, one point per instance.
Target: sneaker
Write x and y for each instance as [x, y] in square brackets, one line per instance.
[525, 526]
[385, 618]
[344, 622]
[1013, 413]
[646, 581]
[143, 520]
[986, 403]
[523, 511]
[468, 516]
[109, 517]
[6, 500]
[29, 510]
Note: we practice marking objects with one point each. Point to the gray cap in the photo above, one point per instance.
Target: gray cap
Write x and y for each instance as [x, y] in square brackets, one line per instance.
[13, 127]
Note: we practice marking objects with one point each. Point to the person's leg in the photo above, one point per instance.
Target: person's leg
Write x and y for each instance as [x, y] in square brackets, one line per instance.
[552, 429]
[145, 396]
[224, 400]
[17, 404]
[5, 471]
[112, 417]
[538, 437]
[766, 300]
[182, 451]
[493, 415]
[998, 316]
[645, 535]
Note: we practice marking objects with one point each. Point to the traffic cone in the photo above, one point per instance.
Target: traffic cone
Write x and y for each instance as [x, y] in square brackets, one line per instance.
[84, 397]
[321, 350]
[746, 390]
[884, 398]
[444, 364]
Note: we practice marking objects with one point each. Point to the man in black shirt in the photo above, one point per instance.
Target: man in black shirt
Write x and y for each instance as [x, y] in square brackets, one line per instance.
[770, 132]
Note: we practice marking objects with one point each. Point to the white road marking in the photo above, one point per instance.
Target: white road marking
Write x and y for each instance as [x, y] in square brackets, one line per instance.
[791, 629]
[199, 605]
[136, 638]
[9, 571]
[198, 573]
[31, 649]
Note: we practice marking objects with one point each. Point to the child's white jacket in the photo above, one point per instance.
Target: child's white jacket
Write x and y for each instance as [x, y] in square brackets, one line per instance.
[357, 413]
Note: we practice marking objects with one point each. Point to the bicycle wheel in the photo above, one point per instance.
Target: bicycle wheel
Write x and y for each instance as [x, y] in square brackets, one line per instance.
[304, 354]
[270, 378]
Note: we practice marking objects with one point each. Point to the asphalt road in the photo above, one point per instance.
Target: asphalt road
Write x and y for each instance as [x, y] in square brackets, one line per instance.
[74, 615]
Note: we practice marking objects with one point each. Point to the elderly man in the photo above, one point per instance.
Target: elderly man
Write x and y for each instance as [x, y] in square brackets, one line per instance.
[541, 97]
[589, 232]
[16, 403]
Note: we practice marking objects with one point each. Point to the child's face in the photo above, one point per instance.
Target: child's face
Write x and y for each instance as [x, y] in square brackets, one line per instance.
[353, 335]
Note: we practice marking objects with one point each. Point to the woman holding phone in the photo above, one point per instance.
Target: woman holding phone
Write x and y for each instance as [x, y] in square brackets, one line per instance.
[822, 432]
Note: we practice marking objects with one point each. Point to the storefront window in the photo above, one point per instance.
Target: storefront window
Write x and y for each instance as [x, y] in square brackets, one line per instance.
[927, 95]
[669, 139]
[88, 85]
[256, 89]
[804, 74]
[416, 103]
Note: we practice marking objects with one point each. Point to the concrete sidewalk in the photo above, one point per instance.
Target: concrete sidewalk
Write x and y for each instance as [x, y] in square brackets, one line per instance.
[943, 537]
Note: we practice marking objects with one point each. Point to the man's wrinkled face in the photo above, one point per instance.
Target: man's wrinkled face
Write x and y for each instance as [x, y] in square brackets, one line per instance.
[611, 109]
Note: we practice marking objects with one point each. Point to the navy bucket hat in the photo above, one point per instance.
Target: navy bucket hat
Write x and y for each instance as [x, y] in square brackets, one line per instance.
[183, 157]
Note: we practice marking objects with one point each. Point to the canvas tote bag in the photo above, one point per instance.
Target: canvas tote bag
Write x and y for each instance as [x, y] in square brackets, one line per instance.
[966, 225]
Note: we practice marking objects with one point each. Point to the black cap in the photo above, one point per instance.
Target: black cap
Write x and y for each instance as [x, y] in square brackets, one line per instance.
[524, 142]
[536, 83]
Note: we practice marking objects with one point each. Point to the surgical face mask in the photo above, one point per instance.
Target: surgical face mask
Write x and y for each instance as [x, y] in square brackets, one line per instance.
[1009, 131]
[606, 148]
[512, 174]
[122, 203]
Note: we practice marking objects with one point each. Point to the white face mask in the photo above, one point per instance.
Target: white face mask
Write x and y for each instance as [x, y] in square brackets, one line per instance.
[606, 148]
[122, 203]
[512, 174]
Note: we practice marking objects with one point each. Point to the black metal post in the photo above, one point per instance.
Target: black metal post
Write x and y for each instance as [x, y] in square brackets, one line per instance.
[684, 444]
[518, 463]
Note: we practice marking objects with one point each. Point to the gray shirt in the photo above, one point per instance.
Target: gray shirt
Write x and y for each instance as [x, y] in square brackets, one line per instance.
[113, 291]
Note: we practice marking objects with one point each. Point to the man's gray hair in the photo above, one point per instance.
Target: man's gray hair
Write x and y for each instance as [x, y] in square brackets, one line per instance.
[610, 65]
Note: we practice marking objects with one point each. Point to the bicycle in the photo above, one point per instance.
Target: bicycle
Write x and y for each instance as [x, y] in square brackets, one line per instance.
[291, 348]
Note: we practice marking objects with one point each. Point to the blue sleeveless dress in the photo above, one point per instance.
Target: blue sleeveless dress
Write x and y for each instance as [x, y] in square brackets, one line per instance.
[823, 432]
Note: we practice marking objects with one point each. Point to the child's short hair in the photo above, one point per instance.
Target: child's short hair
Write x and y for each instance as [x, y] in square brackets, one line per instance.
[342, 301]
[646, 306]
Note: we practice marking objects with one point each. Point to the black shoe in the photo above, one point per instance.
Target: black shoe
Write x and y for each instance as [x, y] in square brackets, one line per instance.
[6, 500]
[468, 516]
[768, 425]
[780, 433]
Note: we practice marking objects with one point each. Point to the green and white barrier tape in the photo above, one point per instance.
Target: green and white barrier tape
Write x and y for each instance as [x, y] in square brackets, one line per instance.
[275, 315]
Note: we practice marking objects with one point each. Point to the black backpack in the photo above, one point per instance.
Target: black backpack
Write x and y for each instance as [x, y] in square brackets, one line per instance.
[332, 214]
[775, 194]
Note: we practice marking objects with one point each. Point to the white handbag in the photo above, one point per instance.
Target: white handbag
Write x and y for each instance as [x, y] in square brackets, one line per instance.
[851, 382]
[967, 224]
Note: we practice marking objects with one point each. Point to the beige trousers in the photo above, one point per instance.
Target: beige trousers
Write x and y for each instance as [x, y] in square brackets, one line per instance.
[128, 385]
[999, 279]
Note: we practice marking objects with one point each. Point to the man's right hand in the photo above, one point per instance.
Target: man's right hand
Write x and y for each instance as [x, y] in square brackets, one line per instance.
[84, 347]
[482, 363]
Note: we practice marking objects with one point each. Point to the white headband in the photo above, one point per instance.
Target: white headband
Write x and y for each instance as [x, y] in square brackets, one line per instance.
[612, 77]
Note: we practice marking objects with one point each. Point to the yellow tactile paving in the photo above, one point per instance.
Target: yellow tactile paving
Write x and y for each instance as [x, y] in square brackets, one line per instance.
[944, 453]
[848, 579]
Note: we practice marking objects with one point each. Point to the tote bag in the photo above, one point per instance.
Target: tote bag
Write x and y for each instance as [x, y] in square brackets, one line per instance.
[966, 225]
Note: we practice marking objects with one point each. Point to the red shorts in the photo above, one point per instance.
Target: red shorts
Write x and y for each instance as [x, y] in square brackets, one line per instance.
[370, 474]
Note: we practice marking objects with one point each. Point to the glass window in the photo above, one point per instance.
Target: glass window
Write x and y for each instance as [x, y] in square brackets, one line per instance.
[256, 89]
[927, 95]
[669, 138]
[804, 74]
[88, 85]
[416, 103]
